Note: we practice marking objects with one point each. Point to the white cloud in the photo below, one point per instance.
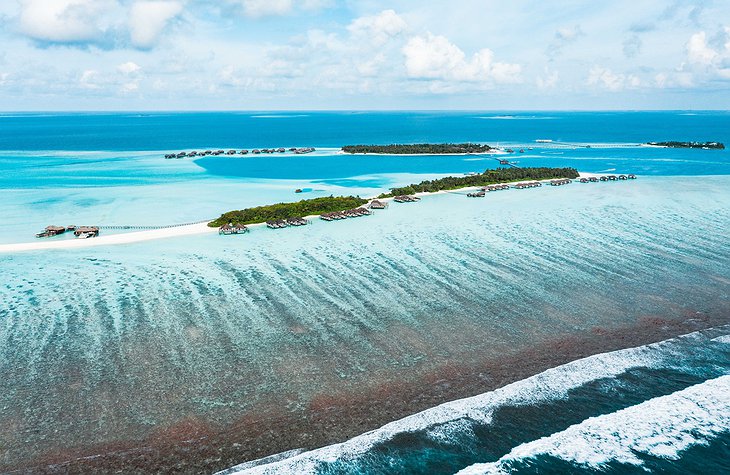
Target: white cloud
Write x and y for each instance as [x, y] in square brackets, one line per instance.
[698, 51]
[65, 21]
[88, 79]
[378, 28]
[259, 8]
[549, 80]
[129, 68]
[613, 82]
[147, 19]
[563, 36]
[435, 57]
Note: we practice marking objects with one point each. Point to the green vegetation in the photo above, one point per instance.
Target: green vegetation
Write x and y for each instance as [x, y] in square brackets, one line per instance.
[261, 214]
[419, 148]
[489, 177]
[674, 144]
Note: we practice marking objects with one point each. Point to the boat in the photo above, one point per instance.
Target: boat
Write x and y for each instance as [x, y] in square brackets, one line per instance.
[298, 190]
[543, 141]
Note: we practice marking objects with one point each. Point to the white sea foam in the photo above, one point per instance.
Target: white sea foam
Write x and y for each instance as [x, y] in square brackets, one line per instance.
[552, 384]
[661, 427]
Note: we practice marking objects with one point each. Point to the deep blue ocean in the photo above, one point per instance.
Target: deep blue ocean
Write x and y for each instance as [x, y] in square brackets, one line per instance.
[106, 348]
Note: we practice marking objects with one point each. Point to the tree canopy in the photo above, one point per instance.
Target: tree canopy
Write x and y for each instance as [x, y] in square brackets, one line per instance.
[499, 175]
[419, 148]
[261, 214]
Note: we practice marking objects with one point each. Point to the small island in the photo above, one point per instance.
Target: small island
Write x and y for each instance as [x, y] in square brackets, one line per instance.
[702, 145]
[489, 177]
[283, 211]
[419, 149]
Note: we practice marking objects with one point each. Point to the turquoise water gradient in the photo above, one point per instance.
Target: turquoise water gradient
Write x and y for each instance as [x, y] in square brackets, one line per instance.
[107, 169]
[115, 343]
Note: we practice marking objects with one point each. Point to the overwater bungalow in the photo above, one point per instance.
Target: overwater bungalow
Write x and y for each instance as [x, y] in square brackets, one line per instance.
[51, 231]
[622, 177]
[296, 221]
[376, 204]
[244, 152]
[612, 177]
[83, 232]
[276, 224]
[256, 151]
[478, 194]
[293, 149]
[560, 182]
[584, 180]
[281, 150]
[230, 228]
[603, 178]
[406, 198]
[194, 153]
[593, 179]
[208, 152]
[181, 155]
[631, 176]
[504, 162]
[231, 152]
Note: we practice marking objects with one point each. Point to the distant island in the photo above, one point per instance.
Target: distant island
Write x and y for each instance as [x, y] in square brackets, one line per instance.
[703, 145]
[489, 177]
[419, 148]
[262, 214]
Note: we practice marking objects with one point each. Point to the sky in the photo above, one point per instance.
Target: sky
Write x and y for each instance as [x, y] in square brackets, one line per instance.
[360, 55]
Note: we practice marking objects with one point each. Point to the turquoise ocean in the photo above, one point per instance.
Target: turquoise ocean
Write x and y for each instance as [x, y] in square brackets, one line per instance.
[576, 329]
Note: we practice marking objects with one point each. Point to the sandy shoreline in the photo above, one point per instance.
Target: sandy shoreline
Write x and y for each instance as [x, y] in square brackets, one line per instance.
[177, 231]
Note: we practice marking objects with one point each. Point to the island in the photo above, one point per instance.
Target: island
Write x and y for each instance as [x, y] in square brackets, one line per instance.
[283, 211]
[488, 177]
[419, 149]
[702, 145]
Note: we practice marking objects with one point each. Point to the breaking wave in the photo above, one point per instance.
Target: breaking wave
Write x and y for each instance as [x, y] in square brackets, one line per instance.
[687, 416]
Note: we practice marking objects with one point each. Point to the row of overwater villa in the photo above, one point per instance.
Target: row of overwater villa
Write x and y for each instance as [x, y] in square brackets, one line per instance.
[255, 151]
[81, 232]
[536, 184]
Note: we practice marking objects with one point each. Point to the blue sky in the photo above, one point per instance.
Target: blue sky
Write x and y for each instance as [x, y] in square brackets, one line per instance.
[328, 54]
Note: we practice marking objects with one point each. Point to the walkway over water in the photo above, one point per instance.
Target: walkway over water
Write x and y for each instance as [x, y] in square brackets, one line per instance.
[138, 227]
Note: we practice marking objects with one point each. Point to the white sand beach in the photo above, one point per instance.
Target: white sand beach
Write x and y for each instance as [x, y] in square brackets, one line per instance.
[102, 240]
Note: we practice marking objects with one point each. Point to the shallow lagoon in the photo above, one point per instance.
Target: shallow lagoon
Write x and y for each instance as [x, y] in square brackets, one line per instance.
[115, 343]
